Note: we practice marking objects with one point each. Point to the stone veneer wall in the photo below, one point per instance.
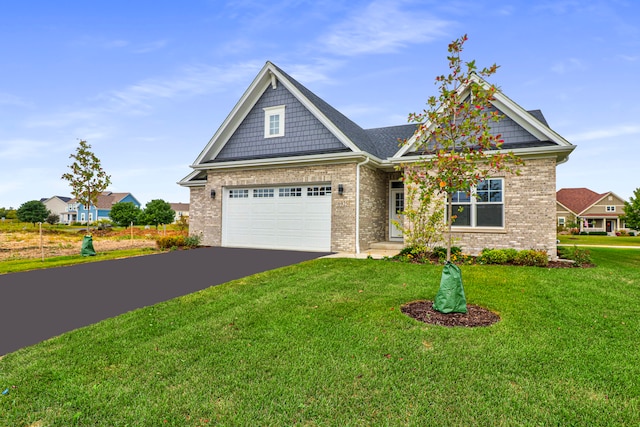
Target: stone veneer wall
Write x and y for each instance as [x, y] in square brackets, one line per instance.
[530, 213]
[374, 205]
[206, 213]
[197, 201]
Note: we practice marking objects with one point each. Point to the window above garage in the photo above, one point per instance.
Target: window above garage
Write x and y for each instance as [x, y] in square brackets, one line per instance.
[274, 121]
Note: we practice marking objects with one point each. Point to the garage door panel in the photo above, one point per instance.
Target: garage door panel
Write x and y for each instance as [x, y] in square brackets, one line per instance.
[291, 219]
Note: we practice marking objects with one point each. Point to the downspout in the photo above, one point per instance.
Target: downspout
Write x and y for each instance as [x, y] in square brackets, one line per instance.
[358, 203]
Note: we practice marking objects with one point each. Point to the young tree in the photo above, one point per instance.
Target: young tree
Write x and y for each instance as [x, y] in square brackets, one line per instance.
[33, 211]
[52, 219]
[87, 178]
[124, 213]
[158, 212]
[632, 211]
[454, 134]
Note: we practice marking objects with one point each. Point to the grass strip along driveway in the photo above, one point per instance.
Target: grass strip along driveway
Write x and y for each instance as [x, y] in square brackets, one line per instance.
[324, 343]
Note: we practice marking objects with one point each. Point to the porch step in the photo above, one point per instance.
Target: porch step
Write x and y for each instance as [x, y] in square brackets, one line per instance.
[387, 246]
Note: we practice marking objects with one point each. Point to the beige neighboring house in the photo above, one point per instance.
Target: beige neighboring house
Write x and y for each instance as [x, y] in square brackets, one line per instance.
[57, 205]
[286, 170]
[181, 210]
[589, 210]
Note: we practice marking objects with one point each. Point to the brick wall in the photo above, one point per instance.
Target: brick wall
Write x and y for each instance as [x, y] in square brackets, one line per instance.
[530, 213]
[374, 205]
[206, 213]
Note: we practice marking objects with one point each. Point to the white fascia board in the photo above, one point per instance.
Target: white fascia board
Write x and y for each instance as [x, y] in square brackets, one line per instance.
[188, 180]
[292, 161]
[561, 153]
[237, 115]
[316, 112]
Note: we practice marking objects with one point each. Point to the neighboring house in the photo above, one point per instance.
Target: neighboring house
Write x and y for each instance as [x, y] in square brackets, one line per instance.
[181, 210]
[57, 205]
[589, 210]
[76, 212]
[286, 170]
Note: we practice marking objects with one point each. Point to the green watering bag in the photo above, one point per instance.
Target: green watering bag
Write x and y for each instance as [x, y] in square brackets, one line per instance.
[450, 297]
[87, 247]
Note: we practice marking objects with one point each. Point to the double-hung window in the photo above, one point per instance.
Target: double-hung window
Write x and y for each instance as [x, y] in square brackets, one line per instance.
[274, 121]
[484, 207]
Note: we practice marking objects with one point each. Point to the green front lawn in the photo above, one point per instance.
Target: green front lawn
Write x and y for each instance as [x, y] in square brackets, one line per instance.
[26, 264]
[567, 239]
[324, 343]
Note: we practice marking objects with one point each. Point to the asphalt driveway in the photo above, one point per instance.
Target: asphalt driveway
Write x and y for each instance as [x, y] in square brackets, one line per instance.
[37, 305]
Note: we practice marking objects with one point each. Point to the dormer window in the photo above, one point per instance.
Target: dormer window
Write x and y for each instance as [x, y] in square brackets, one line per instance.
[274, 121]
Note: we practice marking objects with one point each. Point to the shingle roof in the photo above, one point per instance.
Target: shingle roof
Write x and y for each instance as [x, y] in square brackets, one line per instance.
[381, 142]
[577, 199]
[107, 199]
[179, 207]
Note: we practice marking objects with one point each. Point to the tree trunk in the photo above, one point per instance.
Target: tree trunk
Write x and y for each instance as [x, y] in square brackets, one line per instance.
[449, 223]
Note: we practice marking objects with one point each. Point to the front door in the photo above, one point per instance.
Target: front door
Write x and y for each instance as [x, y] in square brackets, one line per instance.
[396, 205]
[609, 226]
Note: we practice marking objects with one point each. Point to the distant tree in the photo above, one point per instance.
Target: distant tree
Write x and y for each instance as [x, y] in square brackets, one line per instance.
[632, 211]
[3, 212]
[124, 213]
[157, 212]
[87, 178]
[52, 219]
[33, 211]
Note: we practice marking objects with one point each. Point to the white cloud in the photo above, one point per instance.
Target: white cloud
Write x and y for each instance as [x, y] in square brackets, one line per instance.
[16, 101]
[149, 47]
[383, 26]
[194, 80]
[139, 98]
[568, 65]
[21, 149]
[612, 132]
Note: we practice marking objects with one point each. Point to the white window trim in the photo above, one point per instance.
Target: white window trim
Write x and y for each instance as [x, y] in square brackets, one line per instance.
[611, 208]
[562, 221]
[270, 112]
[472, 207]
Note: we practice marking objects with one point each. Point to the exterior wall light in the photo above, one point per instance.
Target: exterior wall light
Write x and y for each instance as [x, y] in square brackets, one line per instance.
[340, 189]
[213, 193]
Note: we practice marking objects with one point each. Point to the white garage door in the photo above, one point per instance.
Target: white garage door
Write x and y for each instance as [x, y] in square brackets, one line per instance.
[296, 217]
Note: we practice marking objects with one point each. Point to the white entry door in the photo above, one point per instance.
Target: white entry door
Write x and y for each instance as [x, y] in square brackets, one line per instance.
[294, 217]
[396, 207]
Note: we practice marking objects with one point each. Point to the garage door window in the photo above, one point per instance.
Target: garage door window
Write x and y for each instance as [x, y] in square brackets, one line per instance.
[238, 194]
[318, 191]
[290, 192]
[263, 192]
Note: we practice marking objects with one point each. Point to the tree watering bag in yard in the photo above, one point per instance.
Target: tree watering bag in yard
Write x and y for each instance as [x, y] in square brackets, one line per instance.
[450, 297]
[87, 247]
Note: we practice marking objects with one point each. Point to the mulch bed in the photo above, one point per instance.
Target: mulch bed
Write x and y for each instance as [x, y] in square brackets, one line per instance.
[475, 316]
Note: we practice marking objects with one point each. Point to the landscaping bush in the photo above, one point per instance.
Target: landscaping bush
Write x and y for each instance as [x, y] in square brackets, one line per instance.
[532, 257]
[441, 253]
[175, 242]
[594, 233]
[497, 256]
[192, 241]
[580, 257]
[169, 242]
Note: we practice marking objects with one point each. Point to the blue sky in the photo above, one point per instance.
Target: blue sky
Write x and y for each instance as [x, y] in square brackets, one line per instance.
[147, 83]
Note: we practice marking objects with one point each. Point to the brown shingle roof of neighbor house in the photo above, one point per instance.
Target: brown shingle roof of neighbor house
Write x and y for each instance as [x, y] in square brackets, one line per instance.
[577, 199]
[180, 207]
[107, 199]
